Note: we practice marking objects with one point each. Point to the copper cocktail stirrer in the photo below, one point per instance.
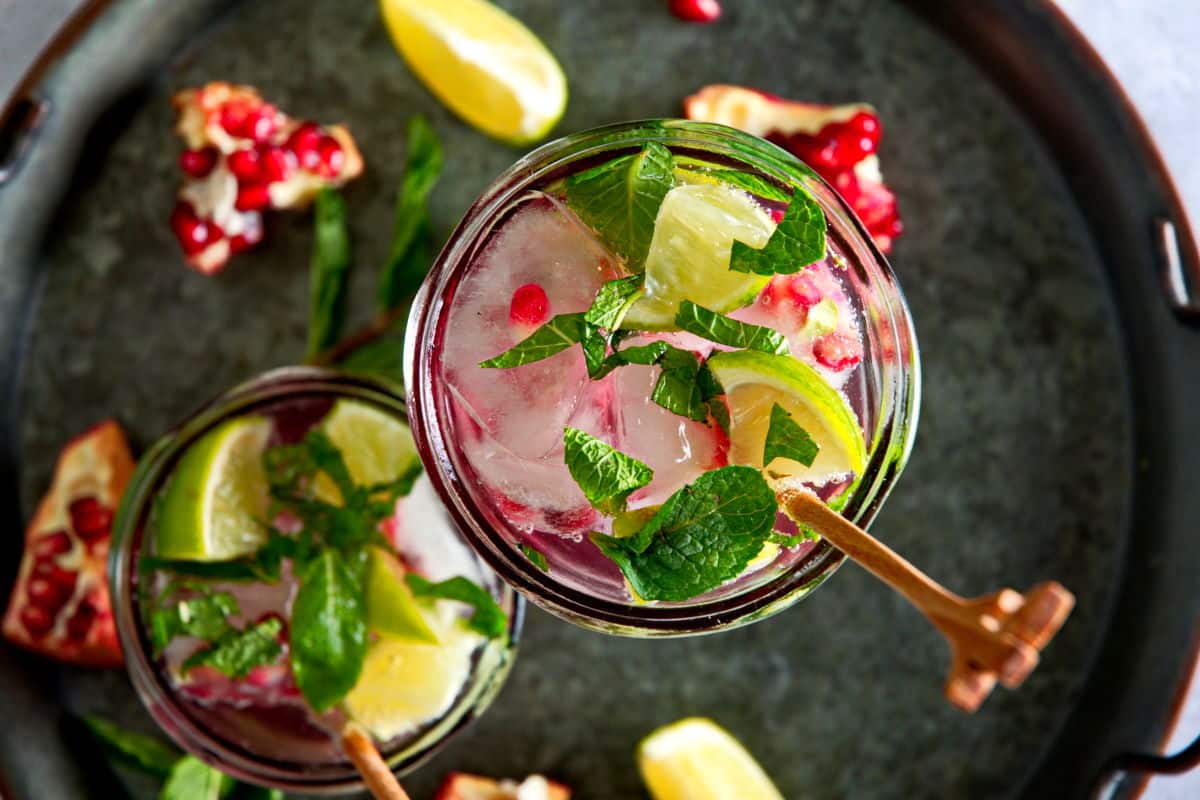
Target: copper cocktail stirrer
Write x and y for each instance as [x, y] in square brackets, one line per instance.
[994, 637]
[376, 774]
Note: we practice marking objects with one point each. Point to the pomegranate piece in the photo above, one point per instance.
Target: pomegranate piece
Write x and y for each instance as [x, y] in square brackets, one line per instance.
[575, 519]
[462, 786]
[529, 306]
[244, 156]
[837, 351]
[695, 10]
[839, 142]
[59, 605]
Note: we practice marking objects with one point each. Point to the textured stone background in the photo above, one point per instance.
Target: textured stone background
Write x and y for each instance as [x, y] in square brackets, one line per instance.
[839, 697]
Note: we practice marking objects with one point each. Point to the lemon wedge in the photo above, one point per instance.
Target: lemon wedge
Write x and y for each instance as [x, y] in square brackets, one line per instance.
[696, 759]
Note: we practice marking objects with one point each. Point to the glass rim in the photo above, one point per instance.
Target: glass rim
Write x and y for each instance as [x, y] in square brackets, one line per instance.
[152, 688]
[890, 444]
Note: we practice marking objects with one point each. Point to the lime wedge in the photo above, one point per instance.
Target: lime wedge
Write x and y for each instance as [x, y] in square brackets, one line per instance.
[405, 683]
[696, 759]
[754, 382]
[482, 63]
[214, 504]
[689, 253]
[376, 446]
[391, 608]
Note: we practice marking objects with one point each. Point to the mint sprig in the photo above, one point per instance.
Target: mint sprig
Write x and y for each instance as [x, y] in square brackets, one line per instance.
[146, 753]
[192, 779]
[683, 387]
[797, 241]
[727, 331]
[786, 439]
[606, 475]
[550, 339]
[620, 198]
[329, 630]
[613, 299]
[704, 535]
[328, 272]
[411, 250]
[205, 616]
[488, 618]
[237, 653]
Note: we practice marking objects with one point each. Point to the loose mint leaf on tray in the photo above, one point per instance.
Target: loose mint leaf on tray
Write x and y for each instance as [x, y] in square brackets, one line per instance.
[192, 779]
[705, 534]
[382, 358]
[145, 753]
[620, 198]
[606, 475]
[205, 617]
[328, 272]
[489, 619]
[730, 332]
[798, 240]
[786, 439]
[612, 301]
[239, 652]
[411, 249]
[329, 630]
[550, 339]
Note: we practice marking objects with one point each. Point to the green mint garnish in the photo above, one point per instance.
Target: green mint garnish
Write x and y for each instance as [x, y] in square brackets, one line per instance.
[329, 630]
[729, 332]
[786, 439]
[535, 556]
[328, 272]
[382, 358]
[678, 388]
[238, 652]
[612, 301]
[719, 411]
[755, 185]
[606, 475]
[620, 199]
[412, 247]
[145, 753]
[192, 779]
[798, 240]
[204, 617]
[804, 534]
[489, 619]
[705, 534]
[551, 338]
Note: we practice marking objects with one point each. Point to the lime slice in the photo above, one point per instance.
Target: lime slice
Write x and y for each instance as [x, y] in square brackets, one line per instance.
[405, 683]
[754, 382]
[484, 65]
[696, 759]
[376, 446]
[391, 608]
[689, 253]
[213, 507]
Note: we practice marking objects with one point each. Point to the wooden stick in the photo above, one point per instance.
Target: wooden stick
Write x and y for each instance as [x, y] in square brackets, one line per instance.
[992, 638]
[376, 774]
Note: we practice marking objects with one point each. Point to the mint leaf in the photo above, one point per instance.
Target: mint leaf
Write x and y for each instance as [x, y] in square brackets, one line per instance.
[705, 534]
[205, 617]
[620, 199]
[798, 240]
[324, 456]
[329, 630]
[678, 388]
[786, 439]
[239, 652]
[754, 184]
[328, 272]
[146, 753]
[729, 332]
[242, 569]
[192, 779]
[804, 534]
[412, 248]
[606, 475]
[382, 358]
[553, 337]
[489, 619]
[612, 301]
[594, 348]
[535, 556]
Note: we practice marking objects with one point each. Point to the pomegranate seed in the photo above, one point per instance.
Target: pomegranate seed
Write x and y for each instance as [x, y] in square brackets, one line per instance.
[803, 292]
[63, 578]
[193, 234]
[51, 545]
[511, 508]
[36, 620]
[332, 157]
[696, 10]
[252, 233]
[304, 143]
[848, 187]
[245, 166]
[276, 164]
[198, 163]
[529, 306]
[865, 124]
[837, 351]
[574, 520]
[81, 621]
[252, 197]
[261, 123]
[46, 594]
[777, 215]
[90, 519]
[233, 118]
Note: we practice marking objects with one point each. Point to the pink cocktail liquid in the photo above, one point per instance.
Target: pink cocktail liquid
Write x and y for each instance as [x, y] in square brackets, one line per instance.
[540, 260]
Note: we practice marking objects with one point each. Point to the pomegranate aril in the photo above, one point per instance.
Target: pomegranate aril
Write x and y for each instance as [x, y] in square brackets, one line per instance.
[233, 118]
[836, 351]
[261, 123]
[198, 163]
[63, 578]
[253, 197]
[803, 292]
[695, 10]
[275, 164]
[194, 234]
[90, 519]
[51, 545]
[81, 621]
[36, 620]
[252, 233]
[304, 143]
[575, 519]
[46, 594]
[529, 305]
[331, 157]
[865, 124]
[245, 165]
